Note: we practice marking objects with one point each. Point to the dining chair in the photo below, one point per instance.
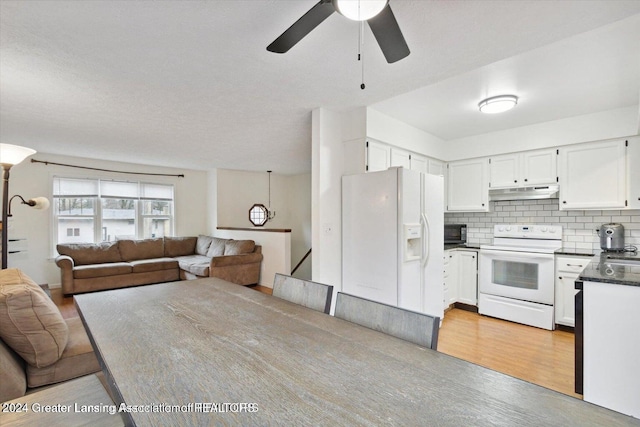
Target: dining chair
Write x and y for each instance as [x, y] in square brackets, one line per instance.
[418, 328]
[316, 296]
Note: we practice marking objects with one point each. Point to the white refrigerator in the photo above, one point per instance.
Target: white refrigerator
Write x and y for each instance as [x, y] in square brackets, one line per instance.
[393, 238]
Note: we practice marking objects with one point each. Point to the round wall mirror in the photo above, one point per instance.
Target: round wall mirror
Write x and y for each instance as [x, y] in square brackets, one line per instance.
[258, 215]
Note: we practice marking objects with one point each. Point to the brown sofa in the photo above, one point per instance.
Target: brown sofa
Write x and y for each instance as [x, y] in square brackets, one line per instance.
[37, 346]
[87, 267]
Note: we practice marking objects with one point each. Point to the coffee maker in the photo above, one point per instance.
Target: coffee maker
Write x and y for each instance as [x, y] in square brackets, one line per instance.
[611, 237]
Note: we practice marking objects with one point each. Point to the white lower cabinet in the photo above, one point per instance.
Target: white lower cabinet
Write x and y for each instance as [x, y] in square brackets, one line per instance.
[467, 276]
[450, 277]
[460, 277]
[568, 269]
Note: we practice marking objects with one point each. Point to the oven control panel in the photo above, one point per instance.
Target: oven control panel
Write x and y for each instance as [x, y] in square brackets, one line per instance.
[528, 231]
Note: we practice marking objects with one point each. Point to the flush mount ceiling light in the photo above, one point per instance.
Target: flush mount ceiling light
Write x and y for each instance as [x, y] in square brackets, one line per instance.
[498, 104]
[359, 10]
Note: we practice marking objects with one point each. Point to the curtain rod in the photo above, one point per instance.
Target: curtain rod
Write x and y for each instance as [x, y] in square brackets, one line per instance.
[105, 170]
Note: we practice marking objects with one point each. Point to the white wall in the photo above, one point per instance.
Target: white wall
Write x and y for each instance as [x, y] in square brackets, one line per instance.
[212, 201]
[327, 152]
[590, 127]
[300, 222]
[393, 131]
[35, 179]
[237, 191]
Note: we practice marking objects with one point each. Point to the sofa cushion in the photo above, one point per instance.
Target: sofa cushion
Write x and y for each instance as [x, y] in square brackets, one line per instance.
[78, 359]
[217, 247]
[238, 247]
[100, 270]
[179, 246]
[90, 253]
[202, 245]
[154, 264]
[195, 264]
[131, 250]
[12, 379]
[30, 323]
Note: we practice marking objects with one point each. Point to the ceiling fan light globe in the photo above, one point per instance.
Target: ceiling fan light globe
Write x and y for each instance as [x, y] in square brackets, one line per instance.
[359, 10]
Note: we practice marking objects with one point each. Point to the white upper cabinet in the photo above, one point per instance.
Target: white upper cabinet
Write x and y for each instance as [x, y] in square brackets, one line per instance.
[504, 171]
[539, 167]
[523, 169]
[400, 158]
[436, 167]
[467, 186]
[419, 163]
[381, 156]
[633, 168]
[378, 156]
[593, 175]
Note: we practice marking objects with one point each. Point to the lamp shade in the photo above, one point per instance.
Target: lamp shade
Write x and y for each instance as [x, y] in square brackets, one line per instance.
[498, 104]
[39, 203]
[359, 10]
[14, 154]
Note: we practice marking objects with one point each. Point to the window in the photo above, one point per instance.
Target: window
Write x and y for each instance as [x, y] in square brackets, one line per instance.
[94, 210]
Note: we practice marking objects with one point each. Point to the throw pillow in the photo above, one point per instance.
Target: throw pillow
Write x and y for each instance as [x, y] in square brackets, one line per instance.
[179, 246]
[90, 253]
[30, 323]
[132, 250]
[202, 245]
[238, 247]
[217, 247]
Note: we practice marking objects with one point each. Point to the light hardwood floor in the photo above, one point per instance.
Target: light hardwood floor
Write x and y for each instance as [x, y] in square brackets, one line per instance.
[535, 355]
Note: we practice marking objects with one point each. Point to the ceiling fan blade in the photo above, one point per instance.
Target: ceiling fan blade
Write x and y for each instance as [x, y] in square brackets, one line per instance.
[387, 32]
[302, 27]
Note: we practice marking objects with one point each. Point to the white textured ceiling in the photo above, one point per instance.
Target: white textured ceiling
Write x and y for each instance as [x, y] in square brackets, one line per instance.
[190, 83]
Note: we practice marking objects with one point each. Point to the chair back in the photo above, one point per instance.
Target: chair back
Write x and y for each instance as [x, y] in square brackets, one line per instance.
[418, 328]
[316, 296]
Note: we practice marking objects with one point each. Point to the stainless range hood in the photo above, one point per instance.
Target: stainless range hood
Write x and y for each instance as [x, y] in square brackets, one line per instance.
[524, 193]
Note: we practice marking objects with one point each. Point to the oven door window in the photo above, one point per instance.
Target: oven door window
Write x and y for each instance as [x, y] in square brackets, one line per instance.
[515, 274]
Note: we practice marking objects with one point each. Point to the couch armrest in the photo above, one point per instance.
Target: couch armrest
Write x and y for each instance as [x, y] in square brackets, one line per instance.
[227, 260]
[241, 269]
[66, 265]
[65, 262]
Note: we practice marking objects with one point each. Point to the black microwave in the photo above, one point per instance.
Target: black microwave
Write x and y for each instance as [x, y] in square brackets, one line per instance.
[455, 233]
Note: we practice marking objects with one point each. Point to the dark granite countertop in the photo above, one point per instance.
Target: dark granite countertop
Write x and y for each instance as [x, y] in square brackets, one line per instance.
[448, 246]
[619, 269]
[575, 252]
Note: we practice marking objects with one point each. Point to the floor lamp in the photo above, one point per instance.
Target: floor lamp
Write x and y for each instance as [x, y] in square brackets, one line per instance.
[12, 155]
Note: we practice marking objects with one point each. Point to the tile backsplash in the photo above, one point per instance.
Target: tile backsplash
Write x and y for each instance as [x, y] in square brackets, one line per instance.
[578, 227]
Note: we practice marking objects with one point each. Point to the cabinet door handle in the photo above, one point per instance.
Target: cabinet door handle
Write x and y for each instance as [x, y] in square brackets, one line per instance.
[564, 201]
[560, 278]
[574, 265]
[526, 180]
[515, 180]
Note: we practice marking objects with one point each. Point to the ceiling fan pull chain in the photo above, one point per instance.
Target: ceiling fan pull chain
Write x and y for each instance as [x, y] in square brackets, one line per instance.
[361, 52]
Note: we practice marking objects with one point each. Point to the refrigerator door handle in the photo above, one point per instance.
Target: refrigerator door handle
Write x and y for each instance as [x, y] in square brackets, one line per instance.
[425, 239]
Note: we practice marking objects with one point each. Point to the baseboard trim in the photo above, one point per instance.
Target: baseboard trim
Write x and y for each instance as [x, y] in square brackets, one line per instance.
[466, 307]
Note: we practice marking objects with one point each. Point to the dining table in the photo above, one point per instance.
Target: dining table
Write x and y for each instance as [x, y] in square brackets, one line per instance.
[209, 352]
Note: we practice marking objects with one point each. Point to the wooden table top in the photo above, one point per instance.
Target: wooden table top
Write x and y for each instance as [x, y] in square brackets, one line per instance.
[211, 341]
[79, 402]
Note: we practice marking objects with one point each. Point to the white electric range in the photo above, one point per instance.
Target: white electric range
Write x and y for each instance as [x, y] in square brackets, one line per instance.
[516, 279]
